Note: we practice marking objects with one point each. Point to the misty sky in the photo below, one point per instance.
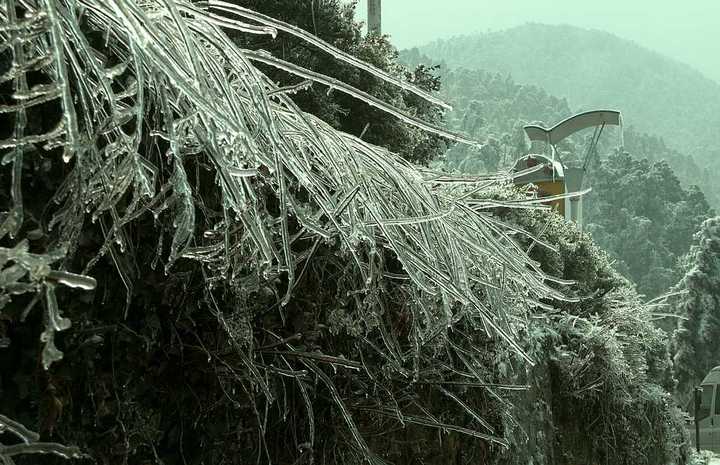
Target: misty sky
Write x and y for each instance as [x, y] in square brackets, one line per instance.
[687, 30]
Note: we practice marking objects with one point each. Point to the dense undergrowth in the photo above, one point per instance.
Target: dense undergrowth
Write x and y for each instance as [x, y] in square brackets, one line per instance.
[599, 391]
[196, 271]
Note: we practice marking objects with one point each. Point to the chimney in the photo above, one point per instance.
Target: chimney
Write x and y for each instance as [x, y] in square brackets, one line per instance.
[374, 17]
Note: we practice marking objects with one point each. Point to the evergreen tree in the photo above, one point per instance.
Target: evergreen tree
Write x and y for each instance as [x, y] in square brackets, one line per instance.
[333, 21]
[697, 337]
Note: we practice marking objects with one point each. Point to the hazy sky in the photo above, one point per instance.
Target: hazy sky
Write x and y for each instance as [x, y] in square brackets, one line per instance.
[687, 30]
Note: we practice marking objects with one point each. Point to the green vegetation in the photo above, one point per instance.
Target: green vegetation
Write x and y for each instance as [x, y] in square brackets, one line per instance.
[195, 270]
[332, 21]
[600, 357]
[644, 208]
[697, 336]
[645, 218]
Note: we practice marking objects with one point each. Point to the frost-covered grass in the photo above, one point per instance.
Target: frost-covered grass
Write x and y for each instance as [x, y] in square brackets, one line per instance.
[705, 457]
[159, 119]
[164, 84]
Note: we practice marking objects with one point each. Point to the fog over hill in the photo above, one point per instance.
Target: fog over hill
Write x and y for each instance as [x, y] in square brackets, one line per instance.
[592, 68]
[686, 31]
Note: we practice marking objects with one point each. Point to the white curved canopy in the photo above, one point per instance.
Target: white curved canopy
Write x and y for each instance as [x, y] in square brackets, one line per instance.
[572, 125]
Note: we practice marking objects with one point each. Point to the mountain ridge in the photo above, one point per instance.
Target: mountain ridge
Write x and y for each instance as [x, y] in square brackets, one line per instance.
[635, 43]
[595, 68]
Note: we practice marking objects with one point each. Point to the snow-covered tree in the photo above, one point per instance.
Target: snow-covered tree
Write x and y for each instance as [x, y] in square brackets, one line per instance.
[698, 335]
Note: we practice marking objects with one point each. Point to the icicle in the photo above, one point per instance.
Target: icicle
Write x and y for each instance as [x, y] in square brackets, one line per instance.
[115, 71]
[290, 90]
[50, 353]
[58, 46]
[242, 172]
[234, 24]
[16, 216]
[55, 319]
[73, 280]
[332, 83]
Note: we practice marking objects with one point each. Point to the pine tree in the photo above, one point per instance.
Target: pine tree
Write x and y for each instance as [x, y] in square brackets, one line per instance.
[697, 337]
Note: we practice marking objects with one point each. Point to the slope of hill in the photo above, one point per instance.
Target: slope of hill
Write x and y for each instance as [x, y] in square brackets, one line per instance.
[643, 209]
[593, 68]
[493, 108]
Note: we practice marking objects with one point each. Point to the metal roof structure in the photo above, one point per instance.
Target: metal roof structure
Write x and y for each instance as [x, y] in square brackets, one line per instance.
[573, 124]
[558, 178]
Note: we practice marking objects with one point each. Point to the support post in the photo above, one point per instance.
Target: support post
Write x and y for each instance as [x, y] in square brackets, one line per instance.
[374, 17]
[573, 183]
[698, 402]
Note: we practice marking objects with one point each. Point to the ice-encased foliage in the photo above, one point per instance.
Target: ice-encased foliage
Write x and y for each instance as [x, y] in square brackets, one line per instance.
[30, 443]
[21, 273]
[143, 90]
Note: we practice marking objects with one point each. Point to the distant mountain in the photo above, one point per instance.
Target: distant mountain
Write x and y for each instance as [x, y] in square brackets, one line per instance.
[492, 108]
[591, 68]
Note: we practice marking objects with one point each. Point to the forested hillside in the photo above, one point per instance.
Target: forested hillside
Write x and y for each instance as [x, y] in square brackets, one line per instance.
[590, 69]
[645, 218]
[639, 211]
